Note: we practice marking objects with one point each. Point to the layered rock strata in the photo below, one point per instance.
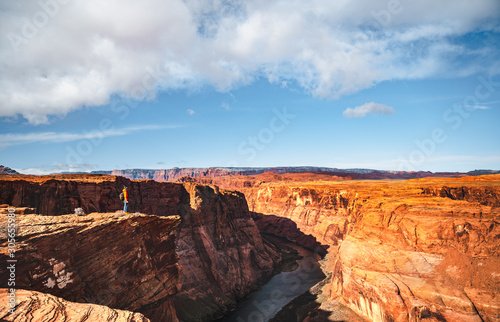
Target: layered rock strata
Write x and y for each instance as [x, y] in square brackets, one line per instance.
[418, 250]
[42, 307]
[121, 261]
[222, 254]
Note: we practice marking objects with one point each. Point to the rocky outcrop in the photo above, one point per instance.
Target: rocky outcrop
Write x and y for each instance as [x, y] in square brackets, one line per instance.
[42, 307]
[322, 212]
[58, 195]
[121, 261]
[411, 261]
[222, 254]
[487, 196]
[396, 253]
[6, 170]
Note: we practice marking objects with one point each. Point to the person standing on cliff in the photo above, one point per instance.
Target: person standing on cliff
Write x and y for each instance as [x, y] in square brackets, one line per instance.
[125, 199]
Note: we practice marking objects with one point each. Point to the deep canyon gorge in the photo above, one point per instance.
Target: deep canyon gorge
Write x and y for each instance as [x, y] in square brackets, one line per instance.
[394, 250]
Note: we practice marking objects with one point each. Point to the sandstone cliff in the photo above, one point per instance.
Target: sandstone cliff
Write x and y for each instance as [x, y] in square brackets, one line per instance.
[221, 250]
[42, 307]
[61, 194]
[121, 261]
[222, 253]
[487, 196]
[418, 250]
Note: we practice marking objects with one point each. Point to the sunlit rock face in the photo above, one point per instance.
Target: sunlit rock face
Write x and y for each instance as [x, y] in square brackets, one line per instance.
[131, 261]
[43, 307]
[416, 250]
[222, 254]
[121, 261]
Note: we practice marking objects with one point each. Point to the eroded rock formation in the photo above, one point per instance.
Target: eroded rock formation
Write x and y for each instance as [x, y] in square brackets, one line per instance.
[418, 250]
[487, 196]
[61, 194]
[221, 251]
[121, 261]
[42, 307]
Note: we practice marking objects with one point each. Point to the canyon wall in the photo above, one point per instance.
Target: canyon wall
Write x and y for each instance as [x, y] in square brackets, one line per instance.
[123, 261]
[59, 195]
[222, 254]
[418, 250]
[487, 196]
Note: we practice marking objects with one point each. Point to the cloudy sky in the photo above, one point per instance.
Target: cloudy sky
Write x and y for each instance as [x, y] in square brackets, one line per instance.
[401, 85]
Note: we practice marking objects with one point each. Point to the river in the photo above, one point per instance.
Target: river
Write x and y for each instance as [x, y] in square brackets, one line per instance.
[262, 305]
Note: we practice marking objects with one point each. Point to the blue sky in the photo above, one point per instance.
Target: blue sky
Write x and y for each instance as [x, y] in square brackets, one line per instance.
[197, 84]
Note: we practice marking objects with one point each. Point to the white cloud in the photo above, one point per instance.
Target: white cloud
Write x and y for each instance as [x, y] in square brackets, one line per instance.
[86, 51]
[10, 139]
[482, 107]
[363, 110]
[191, 112]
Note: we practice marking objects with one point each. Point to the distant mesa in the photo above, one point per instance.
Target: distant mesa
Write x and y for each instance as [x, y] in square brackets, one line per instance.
[6, 170]
[482, 172]
[174, 174]
[101, 172]
[350, 174]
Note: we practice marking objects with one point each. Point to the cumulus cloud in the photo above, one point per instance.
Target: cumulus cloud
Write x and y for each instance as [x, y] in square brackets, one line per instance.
[58, 56]
[365, 109]
[191, 112]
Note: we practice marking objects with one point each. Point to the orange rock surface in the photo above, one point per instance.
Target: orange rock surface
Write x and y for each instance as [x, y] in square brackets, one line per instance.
[42, 307]
[222, 254]
[124, 261]
[416, 250]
